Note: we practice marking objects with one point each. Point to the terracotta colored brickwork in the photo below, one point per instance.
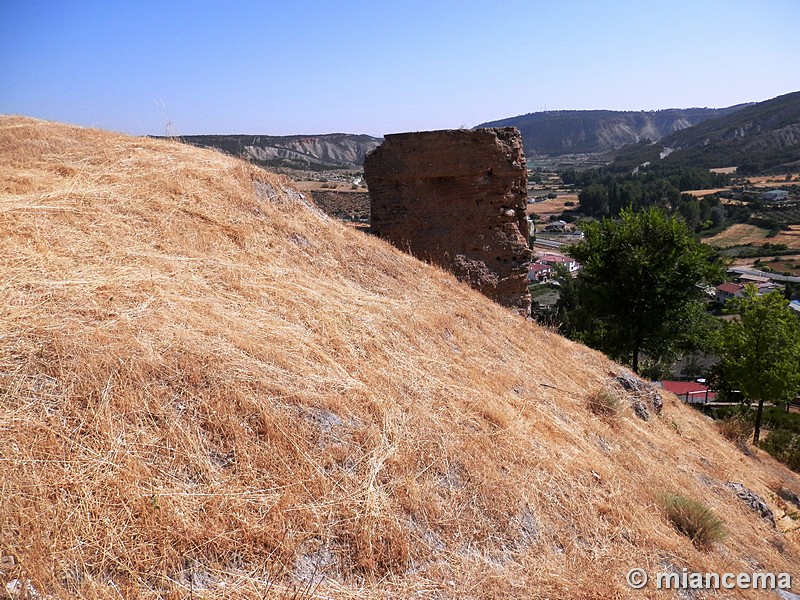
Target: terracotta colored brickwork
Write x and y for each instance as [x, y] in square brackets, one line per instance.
[457, 198]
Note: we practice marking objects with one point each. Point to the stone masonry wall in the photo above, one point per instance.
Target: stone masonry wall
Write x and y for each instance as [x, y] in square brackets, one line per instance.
[457, 198]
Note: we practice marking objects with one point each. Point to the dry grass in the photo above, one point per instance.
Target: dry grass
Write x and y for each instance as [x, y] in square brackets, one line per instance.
[605, 403]
[735, 429]
[204, 382]
[738, 234]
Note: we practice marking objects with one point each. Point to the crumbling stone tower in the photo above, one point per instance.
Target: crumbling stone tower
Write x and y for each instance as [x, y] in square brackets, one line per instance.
[457, 198]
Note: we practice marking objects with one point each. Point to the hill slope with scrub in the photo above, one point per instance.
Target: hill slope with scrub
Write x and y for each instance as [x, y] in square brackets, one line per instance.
[563, 132]
[210, 389]
[760, 137]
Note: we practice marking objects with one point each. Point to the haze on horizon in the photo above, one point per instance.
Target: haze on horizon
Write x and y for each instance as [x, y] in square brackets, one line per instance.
[311, 67]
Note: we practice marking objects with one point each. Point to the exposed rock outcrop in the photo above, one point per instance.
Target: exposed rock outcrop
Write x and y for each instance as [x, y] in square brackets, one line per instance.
[753, 500]
[457, 198]
[330, 151]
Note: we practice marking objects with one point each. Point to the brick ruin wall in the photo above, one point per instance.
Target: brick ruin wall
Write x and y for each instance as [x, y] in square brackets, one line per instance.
[457, 198]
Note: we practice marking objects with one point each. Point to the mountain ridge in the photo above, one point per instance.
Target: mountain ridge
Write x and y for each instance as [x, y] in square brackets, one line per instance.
[306, 152]
[758, 137]
[555, 133]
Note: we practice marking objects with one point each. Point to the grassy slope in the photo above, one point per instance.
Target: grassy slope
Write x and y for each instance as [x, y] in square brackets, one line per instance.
[202, 380]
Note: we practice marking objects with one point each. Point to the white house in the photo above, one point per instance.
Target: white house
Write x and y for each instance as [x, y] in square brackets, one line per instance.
[726, 291]
[539, 272]
[554, 259]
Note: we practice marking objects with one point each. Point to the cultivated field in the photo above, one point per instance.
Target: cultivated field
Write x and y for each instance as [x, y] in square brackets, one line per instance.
[553, 206]
[708, 192]
[740, 234]
[772, 181]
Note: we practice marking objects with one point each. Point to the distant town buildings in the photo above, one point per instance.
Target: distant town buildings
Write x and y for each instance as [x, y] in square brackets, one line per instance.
[544, 267]
[729, 290]
[775, 196]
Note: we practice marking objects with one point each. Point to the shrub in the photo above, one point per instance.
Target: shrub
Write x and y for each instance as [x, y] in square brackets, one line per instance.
[784, 446]
[776, 417]
[735, 429]
[693, 519]
[605, 403]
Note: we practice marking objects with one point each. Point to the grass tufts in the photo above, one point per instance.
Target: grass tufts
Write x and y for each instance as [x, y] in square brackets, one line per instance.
[693, 519]
[605, 403]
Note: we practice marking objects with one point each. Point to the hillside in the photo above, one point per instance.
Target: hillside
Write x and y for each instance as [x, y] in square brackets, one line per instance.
[599, 131]
[756, 138]
[210, 389]
[306, 152]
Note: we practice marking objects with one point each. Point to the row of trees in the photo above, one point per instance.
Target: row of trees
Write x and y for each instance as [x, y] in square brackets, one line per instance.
[606, 194]
[642, 293]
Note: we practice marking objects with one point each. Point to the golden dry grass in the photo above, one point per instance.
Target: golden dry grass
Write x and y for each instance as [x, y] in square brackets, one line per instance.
[208, 388]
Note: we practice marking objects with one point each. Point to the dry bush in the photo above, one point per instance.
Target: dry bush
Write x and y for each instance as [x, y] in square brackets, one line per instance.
[735, 429]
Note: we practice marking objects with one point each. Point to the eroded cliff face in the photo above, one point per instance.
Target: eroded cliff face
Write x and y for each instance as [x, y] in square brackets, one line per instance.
[457, 198]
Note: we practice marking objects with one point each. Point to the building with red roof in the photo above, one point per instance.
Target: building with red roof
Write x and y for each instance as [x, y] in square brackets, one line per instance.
[690, 391]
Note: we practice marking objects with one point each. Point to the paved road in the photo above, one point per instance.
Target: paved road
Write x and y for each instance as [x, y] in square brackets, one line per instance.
[548, 243]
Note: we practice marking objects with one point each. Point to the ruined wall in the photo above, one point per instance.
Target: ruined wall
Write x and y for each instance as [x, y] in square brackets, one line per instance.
[457, 198]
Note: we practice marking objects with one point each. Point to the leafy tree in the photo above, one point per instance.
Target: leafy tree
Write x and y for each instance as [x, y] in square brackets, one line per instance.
[760, 350]
[566, 307]
[689, 209]
[640, 288]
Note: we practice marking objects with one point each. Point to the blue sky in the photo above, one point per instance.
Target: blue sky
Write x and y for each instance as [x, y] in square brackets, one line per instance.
[310, 66]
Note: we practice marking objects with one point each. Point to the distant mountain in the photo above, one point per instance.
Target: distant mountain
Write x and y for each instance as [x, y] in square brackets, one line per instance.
[562, 132]
[756, 138]
[315, 152]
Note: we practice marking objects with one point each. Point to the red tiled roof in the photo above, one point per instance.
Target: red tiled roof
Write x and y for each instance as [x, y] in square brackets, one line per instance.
[682, 388]
[730, 288]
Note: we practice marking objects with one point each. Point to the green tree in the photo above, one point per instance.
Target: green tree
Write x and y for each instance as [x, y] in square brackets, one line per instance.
[689, 209]
[760, 350]
[641, 287]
